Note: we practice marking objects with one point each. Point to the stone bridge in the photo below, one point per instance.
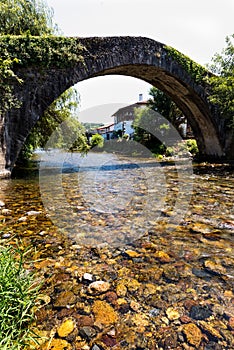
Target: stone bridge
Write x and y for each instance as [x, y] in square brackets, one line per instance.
[137, 57]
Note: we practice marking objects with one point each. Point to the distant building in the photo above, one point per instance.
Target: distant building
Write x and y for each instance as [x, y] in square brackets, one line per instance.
[106, 131]
[124, 117]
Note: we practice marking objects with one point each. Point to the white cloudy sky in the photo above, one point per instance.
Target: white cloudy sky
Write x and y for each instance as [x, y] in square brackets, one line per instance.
[197, 28]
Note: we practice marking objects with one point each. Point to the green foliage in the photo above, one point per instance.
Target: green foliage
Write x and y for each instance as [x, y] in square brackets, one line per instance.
[197, 72]
[91, 126]
[26, 16]
[21, 51]
[44, 51]
[60, 110]
[149, 126]
[18, 293]
[163, 104]
[182, 148]
[7, 77]
[223, 83]
[191, 145]
[26, 28]
[18, 17]
[97, 140]
[70, 135]
[125, 136]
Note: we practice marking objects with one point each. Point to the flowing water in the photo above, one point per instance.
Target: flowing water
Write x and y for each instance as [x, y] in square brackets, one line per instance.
[160, 234]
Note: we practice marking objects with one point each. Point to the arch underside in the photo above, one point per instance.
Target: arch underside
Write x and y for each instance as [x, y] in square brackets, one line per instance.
[193, 107]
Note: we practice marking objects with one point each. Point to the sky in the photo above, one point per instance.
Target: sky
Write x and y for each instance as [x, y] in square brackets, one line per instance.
[195, 28]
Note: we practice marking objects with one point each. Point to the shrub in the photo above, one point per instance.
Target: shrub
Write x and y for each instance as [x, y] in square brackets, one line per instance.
[97, 140]
[192, 147]
[182, 148]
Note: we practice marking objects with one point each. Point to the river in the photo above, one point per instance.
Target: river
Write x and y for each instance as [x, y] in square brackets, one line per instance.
[161, 235]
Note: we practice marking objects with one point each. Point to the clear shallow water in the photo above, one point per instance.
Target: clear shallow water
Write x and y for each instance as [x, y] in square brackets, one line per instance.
[85, 215]
[114, 199]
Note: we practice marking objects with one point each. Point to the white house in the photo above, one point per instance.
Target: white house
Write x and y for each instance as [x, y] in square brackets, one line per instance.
[124, 117]
[106, 131]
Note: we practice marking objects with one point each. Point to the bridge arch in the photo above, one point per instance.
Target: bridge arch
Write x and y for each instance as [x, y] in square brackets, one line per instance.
[137, 57]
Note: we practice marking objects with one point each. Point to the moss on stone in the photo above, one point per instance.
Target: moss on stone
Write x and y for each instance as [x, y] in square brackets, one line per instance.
[196, 71]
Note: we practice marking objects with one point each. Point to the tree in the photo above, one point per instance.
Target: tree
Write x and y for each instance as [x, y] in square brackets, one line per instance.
[150, 121]
[35, 18]
[62, 109]
[163, 104]
[150, 128]
[223, 82]
[26, 16]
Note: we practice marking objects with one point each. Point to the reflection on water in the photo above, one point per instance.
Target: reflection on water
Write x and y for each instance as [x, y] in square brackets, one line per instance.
[82, 214]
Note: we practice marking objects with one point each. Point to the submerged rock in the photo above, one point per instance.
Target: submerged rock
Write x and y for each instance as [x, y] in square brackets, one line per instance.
[98, 287]
[66, 328]
[104, 313]
[193, 334]
[64, 299]
[214, 267]
[57, 344]
[87, 332]
[172, 314]
[199, 312]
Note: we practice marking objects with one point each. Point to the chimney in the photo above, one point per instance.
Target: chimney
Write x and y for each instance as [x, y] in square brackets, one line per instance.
[140, 97]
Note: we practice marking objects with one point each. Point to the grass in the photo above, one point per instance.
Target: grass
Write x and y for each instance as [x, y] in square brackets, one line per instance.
[18, 292]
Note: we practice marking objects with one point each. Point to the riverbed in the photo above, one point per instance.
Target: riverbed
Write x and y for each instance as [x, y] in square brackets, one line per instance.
[133, 253]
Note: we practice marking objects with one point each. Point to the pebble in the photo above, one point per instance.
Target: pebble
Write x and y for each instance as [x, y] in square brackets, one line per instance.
[95, 347]
[121, 290]
[33, 212]
[162, 257]
[64, 299]
[231, 323]
[112, 332]
[200, 228]
[6, 235]
[57, 344]
[167, 273]
[87, 277]
[185, 319]
[140, 320]
[6, 212]
[104, 313]
[172, 314]
[110, 342]
[22, 219]
[134, 305]
[210, 330]
[66, 328]
[131, 254]
[199, 312]
[201, 273]
[111, 297]
[193, 334]
[98, 287]
[154, 312]
[87, 332]
[214, 267]
[84, 320]
[165, 320]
